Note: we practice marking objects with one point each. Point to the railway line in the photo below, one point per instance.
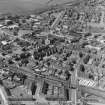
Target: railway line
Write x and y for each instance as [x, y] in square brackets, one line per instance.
[83, 86]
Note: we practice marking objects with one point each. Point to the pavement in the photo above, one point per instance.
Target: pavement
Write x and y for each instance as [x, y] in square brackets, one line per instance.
[96, 104]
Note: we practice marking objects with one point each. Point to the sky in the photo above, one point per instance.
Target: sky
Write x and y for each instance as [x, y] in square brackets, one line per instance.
[17, 6]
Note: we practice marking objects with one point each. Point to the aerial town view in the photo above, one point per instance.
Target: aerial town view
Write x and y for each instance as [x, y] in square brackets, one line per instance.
[54, 55]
